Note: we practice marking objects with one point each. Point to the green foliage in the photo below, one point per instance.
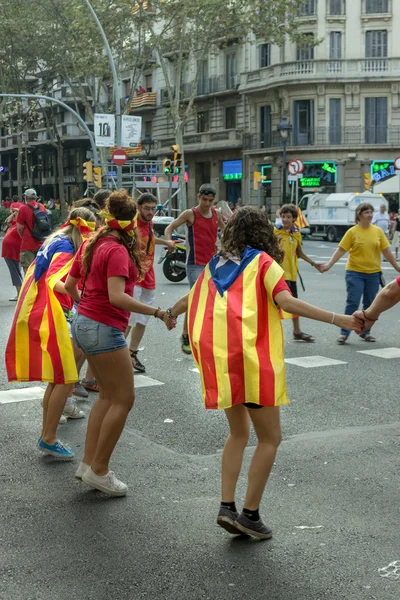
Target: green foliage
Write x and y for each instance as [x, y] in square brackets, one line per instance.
[4, 214]
[56, 218]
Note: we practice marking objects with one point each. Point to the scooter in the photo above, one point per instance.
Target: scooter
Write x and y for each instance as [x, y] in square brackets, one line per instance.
[174, 267]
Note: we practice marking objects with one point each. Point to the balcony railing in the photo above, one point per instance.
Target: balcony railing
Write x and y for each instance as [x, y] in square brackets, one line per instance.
[205, 86]
[310, 69]
[326, 136]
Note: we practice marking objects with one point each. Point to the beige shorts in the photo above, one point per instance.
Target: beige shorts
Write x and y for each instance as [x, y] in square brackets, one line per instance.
[396, 239]
[147, 297]
[27, 257]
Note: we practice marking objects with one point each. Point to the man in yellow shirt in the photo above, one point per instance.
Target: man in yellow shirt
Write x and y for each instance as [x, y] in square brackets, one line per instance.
[291, 243]
[364, 242]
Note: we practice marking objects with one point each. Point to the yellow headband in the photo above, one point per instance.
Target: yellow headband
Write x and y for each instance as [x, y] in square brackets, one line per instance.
[114, 223]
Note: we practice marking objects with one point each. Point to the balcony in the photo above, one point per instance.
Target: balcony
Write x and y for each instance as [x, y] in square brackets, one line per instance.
[207, 141]
[205, 86]
[348, 137]
[146, 100]
[297, 72]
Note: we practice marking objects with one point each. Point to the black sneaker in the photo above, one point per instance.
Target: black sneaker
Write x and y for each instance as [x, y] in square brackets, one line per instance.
[226, 519]
[136, 364]
[255, 528]
[185, 344]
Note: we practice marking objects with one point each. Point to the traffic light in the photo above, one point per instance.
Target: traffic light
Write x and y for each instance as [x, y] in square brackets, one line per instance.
[177, 158]
[257, 179]
[88, 171]
[167, 166]
[367, 181]
[97, 177]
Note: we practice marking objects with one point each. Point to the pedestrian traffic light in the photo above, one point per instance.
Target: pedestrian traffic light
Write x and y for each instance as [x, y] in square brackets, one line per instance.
[167, 166]
[88, 171]
[97, 177]
[367, 181]
[177, 158]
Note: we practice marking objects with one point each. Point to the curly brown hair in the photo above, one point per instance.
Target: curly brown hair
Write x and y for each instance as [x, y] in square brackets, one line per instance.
[250, 226]
[121, 206]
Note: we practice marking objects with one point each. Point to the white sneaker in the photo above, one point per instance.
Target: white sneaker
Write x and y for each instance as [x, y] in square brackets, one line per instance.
[83, 467]
[71, 411]
[108, 484]
[62, 420]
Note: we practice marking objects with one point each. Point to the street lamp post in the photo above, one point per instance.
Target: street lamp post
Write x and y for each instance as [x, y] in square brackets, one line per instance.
[147, 144]
[117, 92]
[284, 129]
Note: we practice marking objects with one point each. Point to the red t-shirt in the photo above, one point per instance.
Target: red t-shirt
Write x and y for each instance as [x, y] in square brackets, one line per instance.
[7, 203]
[11, 245]
[146, 229]
[25, 217]
[110, 259]
[398, 280]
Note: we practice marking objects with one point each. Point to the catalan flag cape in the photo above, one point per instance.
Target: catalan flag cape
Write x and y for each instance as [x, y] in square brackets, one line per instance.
[236, 333]
[301, 222]
[39, 346]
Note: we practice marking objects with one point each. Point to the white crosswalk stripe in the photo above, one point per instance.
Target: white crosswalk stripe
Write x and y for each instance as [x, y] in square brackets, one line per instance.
[382, 352]
[142, 381]
[21, 395]
[311, 362]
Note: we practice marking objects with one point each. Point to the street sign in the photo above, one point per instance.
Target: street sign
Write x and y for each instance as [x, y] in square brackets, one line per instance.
[131, 131]
[112, 173]
[119, 157]
[397, 163]
[294, 177]
[104, 130]
[2, 170]
[295, 166]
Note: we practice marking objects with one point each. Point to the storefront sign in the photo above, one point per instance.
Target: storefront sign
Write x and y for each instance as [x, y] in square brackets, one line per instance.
[266, 171]
[319, 174]
[232, 170]
[382, 169]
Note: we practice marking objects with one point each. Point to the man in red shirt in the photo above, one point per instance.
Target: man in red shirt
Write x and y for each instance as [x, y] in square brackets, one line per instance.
[25, 224]
[145, 290]
[202, 224]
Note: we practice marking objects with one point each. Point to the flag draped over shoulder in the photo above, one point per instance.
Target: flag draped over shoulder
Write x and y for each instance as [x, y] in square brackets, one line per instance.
[236, 333]
[301, 222]
[39, 346]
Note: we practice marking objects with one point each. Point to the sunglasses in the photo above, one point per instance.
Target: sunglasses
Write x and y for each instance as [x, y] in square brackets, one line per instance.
[207, 193]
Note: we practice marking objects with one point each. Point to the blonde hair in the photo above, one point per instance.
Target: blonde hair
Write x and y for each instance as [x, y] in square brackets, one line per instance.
[70, 231]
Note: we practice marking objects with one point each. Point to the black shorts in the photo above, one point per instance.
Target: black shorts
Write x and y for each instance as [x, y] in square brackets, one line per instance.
[292, 285]
[252, 405]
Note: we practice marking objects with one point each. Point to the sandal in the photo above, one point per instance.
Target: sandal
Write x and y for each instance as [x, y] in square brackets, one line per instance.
[136, 364]
[367, 337]
[304, 337]
[90, 385]
[342, 339]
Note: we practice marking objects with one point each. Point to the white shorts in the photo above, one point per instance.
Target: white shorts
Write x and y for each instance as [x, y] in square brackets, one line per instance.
[396, 239]
[147, 297]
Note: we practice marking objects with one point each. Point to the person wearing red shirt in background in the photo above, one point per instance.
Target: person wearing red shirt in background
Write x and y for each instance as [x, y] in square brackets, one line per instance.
[145, 289]
[25, 223]
[109, 265]
[202, 224]
[11, 247]
[7, 203]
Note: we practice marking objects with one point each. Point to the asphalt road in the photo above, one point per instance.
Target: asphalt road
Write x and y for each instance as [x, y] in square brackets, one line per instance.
[332, 499]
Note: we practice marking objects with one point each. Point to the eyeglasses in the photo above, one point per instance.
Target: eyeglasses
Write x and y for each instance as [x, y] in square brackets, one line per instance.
[149, 208]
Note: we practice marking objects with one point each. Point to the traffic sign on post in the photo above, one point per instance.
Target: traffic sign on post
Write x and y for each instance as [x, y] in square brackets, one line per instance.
[2, 170]
[119, 157]
[295, 167]
[397, 163]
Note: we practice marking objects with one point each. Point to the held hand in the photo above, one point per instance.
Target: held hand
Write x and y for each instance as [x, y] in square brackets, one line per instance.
[170, 245]
[350, 322]
[319, 267]
[323, 268]
[359, 314]
[170, 322]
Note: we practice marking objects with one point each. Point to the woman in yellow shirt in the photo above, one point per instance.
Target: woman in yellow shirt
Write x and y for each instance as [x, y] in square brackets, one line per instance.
[364, 242]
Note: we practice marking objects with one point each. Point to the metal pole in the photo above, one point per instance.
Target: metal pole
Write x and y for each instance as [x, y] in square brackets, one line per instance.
[169, 195]
[284, 173]
[71, 110]
[117, 93]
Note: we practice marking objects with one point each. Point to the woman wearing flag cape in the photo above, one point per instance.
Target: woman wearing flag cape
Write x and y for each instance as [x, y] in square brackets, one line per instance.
[39, 346]
[237, 342]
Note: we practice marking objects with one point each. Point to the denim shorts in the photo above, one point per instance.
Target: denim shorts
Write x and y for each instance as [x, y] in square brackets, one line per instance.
[96, 338]
[193, 272]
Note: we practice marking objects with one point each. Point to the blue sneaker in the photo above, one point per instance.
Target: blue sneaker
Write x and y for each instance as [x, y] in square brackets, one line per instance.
[58, 450]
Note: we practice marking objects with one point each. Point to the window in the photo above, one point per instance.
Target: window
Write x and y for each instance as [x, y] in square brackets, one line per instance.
[336, 7]
[230, 117]
[376, 45]
[148, 127]
[265, 55]
[335, 45]
[230, 63]
[376, 6]
[127, 87]
[303, 122]
[265, 126]
[375, 120]
[335, 120]
[306, 50]
[149, 83]
[307, 8]
[202, 83]
[203, 121]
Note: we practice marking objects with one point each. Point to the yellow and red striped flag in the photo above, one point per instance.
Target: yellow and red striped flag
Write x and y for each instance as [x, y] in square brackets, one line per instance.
[301, 222]
[39, 347]
[236, 333]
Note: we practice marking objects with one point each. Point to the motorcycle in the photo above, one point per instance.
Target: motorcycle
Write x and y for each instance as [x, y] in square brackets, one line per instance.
[174, 267]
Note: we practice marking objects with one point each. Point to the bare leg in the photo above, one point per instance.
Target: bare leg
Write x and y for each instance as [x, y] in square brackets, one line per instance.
[96, 417]
[266, 422]
[296, 326]
[18, 288]
[185, 325]
[236, 442]
[136, 336]
[45, 403]
[113, 371]
[55, 407]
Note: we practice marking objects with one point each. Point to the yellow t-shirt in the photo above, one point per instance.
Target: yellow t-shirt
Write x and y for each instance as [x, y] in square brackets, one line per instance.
[364, 246]
[289, 241]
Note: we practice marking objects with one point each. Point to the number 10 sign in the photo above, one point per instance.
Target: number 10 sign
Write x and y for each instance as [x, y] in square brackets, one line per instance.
[104, 129]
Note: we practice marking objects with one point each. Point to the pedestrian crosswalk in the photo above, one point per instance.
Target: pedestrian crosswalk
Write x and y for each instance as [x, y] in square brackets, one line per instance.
[310, 362]
[382, 352]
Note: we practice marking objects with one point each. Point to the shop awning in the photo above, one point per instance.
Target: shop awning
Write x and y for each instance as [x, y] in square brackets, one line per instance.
[389, 186]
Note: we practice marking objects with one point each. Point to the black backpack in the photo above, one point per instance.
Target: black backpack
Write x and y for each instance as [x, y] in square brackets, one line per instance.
[41, 223]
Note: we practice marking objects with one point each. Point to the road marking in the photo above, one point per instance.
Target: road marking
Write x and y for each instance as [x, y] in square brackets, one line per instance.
[142, 381]
[21, 395]
[310, 362]
[195, 370]
[382, 352]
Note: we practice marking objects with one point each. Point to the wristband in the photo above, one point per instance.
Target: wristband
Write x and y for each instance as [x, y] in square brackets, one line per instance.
[156, 311]
[368, 318]
[333, 318]
[169, 314]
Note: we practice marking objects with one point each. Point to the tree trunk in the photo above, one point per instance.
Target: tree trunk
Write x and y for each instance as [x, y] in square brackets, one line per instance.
[182, 185]
[61, 188]
[19, 164]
